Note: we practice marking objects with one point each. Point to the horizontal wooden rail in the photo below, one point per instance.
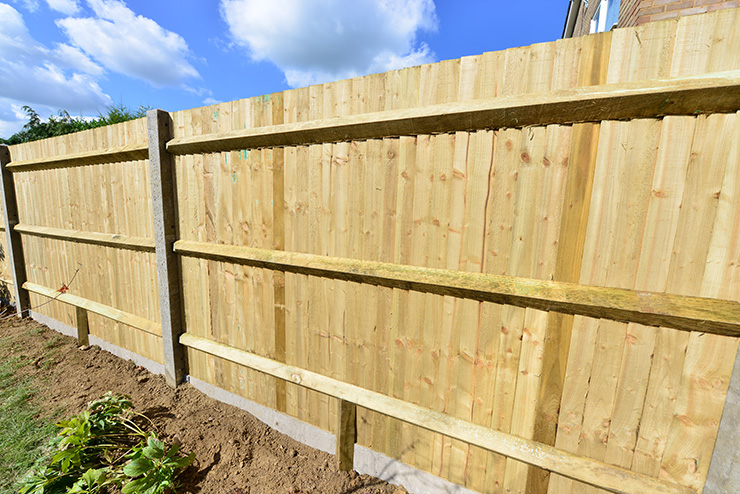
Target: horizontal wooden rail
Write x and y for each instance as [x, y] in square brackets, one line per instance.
[106, 239]
[131, 152]
[117, 315]
[710, 93]
[6, 281]
[649, 308]
[589, 471]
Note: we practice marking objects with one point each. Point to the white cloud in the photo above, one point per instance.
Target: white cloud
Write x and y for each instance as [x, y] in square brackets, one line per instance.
[68, 7]
[30, 5]
[32, 74]
[314, 42]
[72, 57]
[130, 44]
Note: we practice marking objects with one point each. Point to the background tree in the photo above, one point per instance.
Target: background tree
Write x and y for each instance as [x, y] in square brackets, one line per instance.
[63, 123]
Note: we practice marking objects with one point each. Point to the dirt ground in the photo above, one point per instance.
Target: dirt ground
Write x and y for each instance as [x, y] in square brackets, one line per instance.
[235, 453]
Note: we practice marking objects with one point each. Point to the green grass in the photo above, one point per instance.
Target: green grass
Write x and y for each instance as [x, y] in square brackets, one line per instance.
[24, 435]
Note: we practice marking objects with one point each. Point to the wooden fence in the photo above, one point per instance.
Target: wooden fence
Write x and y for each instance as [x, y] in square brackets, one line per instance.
[519, 271]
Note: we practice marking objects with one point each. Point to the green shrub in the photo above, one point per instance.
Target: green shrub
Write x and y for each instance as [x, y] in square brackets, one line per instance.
[108, 445]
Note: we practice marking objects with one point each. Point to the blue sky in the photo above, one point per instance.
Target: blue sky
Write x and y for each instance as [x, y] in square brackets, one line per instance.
[84, 55]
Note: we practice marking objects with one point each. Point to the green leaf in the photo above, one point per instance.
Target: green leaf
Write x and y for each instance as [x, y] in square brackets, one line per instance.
[173, 451]
[154, 449]
[138, 467]
[133, 487]
[95, 476]
[183, 462]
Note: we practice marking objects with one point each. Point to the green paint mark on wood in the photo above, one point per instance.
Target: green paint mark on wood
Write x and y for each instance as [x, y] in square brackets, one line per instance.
[215, 115]
[233, 177]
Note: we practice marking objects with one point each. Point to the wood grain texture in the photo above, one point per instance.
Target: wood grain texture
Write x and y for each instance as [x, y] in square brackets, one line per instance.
[618, 304]
[614, 479]
[712, 93]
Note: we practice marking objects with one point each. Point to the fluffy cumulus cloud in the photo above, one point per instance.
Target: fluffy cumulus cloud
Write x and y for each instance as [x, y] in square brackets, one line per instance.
[45, 78]
[325, 40]
[130, 44]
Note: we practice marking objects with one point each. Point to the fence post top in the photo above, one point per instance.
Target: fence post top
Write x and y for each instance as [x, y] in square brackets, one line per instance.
[155, 112]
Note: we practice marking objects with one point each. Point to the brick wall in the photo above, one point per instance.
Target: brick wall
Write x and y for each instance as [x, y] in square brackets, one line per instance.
[657, 10]
[629, 11]
[583, 22]
[636, 12]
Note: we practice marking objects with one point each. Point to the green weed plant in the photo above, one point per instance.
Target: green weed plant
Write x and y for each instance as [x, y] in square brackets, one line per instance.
[107, 446]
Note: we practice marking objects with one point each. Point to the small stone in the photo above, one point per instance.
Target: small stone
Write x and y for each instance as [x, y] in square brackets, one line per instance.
[142, 379]
[293, 453]
[84, 347]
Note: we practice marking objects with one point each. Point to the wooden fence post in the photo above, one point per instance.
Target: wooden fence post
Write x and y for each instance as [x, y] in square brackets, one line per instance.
[83, 330]
[162, 177]
[346, 435]
[14, 246]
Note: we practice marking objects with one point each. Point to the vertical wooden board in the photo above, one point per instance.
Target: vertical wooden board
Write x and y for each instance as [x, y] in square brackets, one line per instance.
[724, 248]
[317, 331]
[471, 78]
[578, 373]
[541, 183]
[709, 358]
[699, 403]
[429, 87]
[392, 88]
[412, 317]
[492, 84]
[499, 235]
[442, 447]
[707, 166]
[566, 62]
[308, 157]
[595, 59]
[580, 163]
[642, 53]
[295, 396]
[374, 307]
[386, 183]
[338, 292]
[521, 262]
[434, 233]
[618, 224]
[325, 215]
[401, 254]
[581, 419]
[467, 329]
[726, 45]
[486, 356]
[691, 54]
[663, 206]
[449, 83]
[356, 365]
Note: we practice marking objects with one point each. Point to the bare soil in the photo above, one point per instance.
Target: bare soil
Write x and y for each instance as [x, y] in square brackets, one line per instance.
[235, 453]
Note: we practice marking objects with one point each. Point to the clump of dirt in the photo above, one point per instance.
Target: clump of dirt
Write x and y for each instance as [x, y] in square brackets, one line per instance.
[235, 453]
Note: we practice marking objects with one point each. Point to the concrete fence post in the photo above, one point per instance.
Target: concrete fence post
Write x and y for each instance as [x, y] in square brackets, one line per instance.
[164, 207]
[14, 246]
[724, 467]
